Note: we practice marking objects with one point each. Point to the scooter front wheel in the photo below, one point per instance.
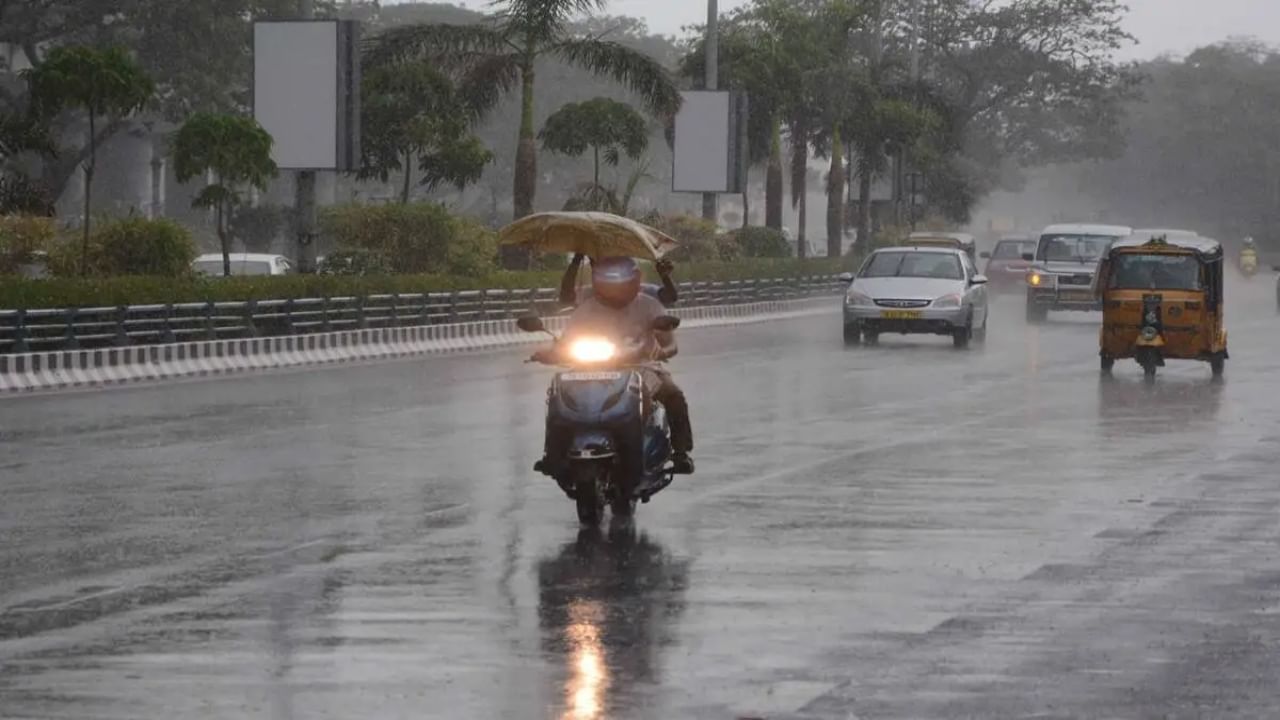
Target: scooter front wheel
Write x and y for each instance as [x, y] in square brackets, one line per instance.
[587, 494]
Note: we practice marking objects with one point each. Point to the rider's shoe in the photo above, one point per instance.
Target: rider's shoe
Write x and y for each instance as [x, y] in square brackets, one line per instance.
[681, 464]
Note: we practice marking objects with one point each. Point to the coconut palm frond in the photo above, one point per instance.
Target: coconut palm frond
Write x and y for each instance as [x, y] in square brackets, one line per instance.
[639, 72]
[449, 45]
[484, 85]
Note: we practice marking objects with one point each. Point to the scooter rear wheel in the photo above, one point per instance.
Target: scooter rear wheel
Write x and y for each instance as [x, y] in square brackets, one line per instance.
[623, 507]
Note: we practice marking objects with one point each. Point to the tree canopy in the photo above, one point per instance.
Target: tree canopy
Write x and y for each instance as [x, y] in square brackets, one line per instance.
[236, 151]
[414, 114]
[106, 85]
[503, 52]
[607, 127]
[1203, 146]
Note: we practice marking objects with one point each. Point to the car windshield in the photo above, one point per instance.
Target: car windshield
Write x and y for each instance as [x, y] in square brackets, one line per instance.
[914, 264]
[1010, 250]
[1155, 272]
[1073, 248]
[238, 267]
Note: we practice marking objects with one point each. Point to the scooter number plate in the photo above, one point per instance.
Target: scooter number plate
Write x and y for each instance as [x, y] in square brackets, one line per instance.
[589, 376]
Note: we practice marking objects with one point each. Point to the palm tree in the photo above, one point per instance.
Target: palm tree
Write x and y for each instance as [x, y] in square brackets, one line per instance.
[502, 52]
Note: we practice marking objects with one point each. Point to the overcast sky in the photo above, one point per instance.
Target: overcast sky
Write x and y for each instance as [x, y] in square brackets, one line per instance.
[1162, 26]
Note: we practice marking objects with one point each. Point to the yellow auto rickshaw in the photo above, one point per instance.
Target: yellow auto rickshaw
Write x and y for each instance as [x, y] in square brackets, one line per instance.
[1162, 298]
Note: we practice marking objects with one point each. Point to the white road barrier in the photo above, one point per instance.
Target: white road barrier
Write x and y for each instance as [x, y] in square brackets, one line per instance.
[30, 372]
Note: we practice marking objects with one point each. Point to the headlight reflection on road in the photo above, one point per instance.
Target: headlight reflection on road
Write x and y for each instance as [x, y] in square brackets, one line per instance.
[589, 678]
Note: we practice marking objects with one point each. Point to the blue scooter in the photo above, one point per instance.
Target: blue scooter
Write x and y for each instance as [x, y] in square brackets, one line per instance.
[608, 442]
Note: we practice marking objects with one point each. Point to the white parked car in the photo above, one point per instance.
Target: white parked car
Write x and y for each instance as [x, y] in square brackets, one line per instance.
[243, 264]
[916, 290]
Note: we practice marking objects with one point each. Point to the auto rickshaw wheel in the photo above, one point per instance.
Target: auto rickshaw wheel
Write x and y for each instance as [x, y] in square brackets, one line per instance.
[1218, 364]
[1107, 363]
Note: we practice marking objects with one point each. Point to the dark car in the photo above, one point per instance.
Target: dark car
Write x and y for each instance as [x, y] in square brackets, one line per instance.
[1006, 271]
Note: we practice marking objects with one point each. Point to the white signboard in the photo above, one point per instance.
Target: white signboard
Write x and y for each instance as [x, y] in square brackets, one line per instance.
[705, 143]
[305, 92]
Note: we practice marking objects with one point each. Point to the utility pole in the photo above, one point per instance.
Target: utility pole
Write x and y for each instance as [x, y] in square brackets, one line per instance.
[712, 81]
[915, 101]
[304, 199]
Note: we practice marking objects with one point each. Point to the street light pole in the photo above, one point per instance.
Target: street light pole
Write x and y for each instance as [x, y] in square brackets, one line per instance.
[304, 201]
[709, 200]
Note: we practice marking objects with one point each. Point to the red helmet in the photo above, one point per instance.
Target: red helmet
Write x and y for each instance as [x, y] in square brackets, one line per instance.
[615, 280]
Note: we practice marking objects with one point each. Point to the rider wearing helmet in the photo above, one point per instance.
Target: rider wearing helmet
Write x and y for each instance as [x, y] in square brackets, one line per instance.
[1248, 255]
[570, 296]
[616, 307]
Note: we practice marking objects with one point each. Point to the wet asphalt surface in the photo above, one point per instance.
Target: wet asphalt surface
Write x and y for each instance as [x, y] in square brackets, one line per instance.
[905, 531]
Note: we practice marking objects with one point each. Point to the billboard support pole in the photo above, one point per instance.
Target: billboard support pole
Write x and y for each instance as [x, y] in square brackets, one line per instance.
[304, 200]
[709, 210]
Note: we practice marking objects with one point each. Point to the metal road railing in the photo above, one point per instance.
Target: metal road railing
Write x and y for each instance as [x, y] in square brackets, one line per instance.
[85, 328]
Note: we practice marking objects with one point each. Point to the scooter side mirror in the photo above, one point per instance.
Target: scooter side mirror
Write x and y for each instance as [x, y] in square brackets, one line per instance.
[531, 323]
[666, 323]
[984, 255]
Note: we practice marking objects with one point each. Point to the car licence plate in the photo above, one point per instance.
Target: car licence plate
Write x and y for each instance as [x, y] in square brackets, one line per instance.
[590, 376]
[901, 314]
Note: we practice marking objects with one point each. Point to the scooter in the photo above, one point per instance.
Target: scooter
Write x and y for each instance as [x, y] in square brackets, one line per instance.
[612, 444]
[1249, 264]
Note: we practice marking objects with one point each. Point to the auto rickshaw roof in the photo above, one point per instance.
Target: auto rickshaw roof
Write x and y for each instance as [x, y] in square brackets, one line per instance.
[1207, 248]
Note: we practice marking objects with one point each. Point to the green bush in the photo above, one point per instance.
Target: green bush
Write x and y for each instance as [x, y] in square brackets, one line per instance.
[132, 246]
[414, 238]
[108, 292]
[20, 237]
[354, 262]
[762, 242]
[700, 240]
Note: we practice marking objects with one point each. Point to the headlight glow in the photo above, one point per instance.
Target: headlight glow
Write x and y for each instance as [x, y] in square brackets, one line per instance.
[592, 350]
[858, 299]
[948, 301]
[1034, 279]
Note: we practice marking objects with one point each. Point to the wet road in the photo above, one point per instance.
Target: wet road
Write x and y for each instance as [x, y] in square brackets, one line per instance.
[904, 531]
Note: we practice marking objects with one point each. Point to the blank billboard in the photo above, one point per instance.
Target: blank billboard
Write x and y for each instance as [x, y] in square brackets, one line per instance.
[704, 143]
[304, 85]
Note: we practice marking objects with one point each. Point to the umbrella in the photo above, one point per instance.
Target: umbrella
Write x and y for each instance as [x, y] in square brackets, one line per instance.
[594, 234]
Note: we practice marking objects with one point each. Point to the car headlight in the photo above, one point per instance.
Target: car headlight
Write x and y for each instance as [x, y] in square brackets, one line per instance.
[855, 298]
[1035, 279]
[948, 301]
[592, 350]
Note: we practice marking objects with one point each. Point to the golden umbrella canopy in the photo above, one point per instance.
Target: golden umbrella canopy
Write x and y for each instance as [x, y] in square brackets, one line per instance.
[594, 234]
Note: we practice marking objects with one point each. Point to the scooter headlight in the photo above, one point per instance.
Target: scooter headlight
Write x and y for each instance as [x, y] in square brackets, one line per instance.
[592, 350]
[1149, 333]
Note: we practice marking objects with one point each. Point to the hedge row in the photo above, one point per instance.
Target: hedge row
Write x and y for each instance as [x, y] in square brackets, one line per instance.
[107, 292]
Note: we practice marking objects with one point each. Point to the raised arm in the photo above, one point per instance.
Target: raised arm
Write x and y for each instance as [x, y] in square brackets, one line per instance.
[667, 295]
[569, 283]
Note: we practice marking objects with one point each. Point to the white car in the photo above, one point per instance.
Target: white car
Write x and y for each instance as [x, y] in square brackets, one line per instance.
[243, 264]
[1063, 266]
[916, 290]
